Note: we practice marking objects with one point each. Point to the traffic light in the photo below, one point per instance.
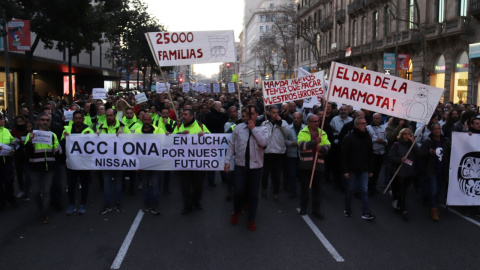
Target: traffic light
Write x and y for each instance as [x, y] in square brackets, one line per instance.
[228, 65]
[256, 80]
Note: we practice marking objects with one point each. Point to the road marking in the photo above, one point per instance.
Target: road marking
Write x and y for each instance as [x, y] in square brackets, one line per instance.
[322, 238]
[126, 243]
[465, 217]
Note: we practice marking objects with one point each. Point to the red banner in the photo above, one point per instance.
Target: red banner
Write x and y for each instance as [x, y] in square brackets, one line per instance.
[403, 61]
[19, 35]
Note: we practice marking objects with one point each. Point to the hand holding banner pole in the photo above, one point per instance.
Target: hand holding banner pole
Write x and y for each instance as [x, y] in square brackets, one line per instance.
[401, 164]
[321, 130]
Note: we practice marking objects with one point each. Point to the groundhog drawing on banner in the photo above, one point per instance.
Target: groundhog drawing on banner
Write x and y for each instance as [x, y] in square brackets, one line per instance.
[418, 108]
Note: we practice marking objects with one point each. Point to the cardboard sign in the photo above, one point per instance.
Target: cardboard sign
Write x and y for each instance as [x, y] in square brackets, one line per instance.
[196, 47]
[231, 87]
[140, 98]
[68, 115]
[216, 88]
[161, 88]
[186, 87]
[99, 93]
[43, 137]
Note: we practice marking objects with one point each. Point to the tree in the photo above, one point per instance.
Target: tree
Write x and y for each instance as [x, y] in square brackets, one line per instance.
[126, 34]
[67, 25]
[276, 46]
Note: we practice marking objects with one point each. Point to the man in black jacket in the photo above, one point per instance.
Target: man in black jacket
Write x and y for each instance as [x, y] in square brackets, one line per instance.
[357, 165]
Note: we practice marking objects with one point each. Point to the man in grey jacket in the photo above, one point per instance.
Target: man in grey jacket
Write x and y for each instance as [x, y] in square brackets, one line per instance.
[247, 144]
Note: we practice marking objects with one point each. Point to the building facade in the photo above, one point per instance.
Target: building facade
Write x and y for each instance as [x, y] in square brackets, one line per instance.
[255, 63]
[426, 41]
[50, 73]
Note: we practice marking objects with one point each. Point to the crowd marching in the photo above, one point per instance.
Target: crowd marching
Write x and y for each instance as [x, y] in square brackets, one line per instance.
[278, 145]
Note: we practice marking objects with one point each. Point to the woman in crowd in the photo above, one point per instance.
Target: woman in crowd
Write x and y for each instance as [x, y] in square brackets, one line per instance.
[436, 150]
[398, 157]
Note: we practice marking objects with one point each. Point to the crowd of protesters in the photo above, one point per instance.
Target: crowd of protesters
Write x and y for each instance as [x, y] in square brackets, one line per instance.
[280, 144]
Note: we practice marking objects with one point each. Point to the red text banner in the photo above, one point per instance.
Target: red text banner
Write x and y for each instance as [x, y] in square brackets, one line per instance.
[383, 93]
[187, 48]
[279, 91]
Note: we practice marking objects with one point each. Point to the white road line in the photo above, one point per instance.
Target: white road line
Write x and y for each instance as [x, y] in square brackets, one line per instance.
[322, 238]
[126, 243]
[465, 217]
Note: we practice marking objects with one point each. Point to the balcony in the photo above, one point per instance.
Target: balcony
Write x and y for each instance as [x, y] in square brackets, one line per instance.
[337, 55]
[458, 26]
[410, 36]
[367, 48]
[357, 50]
[340, 16]
[355, 7]
[371, 2]
[379, 44]
[326, 24]
[474, 9]
[433, 31]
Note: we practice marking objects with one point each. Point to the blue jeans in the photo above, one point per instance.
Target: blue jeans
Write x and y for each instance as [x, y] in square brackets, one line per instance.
[292, 164]
[112, 187]
[150, 181]
[359, 180]
[246, 180]
[434, 187]
[41, 185]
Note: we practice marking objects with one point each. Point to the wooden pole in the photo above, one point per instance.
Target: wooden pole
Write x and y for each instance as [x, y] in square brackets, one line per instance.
[168, 90]
[321, 128]
[401, 164]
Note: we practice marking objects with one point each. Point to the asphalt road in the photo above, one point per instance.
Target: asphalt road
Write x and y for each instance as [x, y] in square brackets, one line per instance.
[206, 239]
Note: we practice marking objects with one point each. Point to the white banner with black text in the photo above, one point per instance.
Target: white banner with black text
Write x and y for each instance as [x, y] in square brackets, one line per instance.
[157, 152]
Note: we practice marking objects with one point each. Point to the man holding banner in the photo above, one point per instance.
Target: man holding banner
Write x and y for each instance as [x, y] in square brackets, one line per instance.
[150, 179]
[112, 179]
[191, 182]
[76, 176]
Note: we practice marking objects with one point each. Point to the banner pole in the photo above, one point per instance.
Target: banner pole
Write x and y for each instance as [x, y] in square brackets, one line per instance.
[401, 164]
[321, 128]
[168, 91]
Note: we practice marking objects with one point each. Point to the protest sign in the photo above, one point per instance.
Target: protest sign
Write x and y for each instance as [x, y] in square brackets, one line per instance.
[186, 87]
[6, 149]
[99, 93]
[216, 88]
[41, 136]
[231, 87]
[146, 151]
[140, 98]
[464, 173]
[310, 102]
[196, 47]
[203, 88]
[208, 88]
[383, 93]
[19, 35]
[280, 91]
[68, 115]
[162, 88]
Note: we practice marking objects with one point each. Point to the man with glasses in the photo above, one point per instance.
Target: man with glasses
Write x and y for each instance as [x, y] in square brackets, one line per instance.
[41, 157]
[357, 166]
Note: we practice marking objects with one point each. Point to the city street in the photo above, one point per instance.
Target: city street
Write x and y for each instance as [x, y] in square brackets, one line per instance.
[206, 239]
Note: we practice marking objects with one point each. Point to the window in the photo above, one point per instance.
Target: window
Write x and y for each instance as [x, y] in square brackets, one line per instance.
[354, 33]
[462, 8]
[387, 21]
[363, 30]
[268, 18]
[262, 18]
[375, 26]
[272, 5]
[411, 13]
[261, 29]
[440, 10]
[267, 28]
